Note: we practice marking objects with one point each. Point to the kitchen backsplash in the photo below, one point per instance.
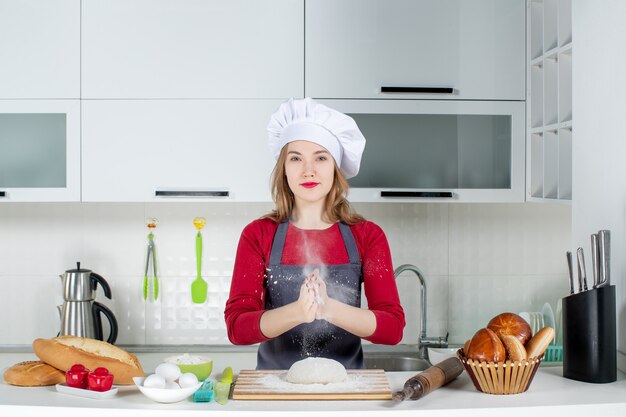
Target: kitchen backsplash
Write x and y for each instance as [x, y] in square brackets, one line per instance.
[479, 260]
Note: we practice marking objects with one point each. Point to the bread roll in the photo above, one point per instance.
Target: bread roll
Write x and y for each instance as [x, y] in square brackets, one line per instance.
[515, 351]
[511, 323]
[64, 351]
[33, 374]
[466, 346]
[485, 346]
[539, 342]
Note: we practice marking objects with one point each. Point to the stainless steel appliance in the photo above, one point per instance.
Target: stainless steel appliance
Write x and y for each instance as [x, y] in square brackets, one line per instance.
[80, 313]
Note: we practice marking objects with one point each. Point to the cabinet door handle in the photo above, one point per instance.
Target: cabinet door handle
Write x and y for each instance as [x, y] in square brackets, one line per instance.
[206, 193]
[418, 90]
[3, 193]
[417, 194]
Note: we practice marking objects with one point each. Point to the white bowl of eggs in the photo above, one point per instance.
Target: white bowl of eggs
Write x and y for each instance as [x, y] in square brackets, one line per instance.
[168, 384]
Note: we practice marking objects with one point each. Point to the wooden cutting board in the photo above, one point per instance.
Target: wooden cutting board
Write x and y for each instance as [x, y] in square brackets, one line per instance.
[362, 384]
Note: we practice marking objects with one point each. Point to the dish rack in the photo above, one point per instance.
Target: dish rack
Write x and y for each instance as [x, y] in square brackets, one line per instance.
[554, 353]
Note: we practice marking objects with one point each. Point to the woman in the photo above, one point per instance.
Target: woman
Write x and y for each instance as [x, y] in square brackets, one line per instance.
[296, 284]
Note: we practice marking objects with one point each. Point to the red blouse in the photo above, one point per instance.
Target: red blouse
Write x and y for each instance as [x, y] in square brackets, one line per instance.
[246, 302]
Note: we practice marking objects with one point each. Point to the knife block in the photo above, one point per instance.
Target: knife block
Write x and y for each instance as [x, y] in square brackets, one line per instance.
[589, 336]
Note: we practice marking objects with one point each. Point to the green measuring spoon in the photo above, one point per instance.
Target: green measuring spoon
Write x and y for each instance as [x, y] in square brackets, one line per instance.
[199, 286]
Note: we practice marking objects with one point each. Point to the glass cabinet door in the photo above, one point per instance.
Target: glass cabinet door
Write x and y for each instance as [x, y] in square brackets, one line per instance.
[452, 151]
[39, 150]
[434, 151]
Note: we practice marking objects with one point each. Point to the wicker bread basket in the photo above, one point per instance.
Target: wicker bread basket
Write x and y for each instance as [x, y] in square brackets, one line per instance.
[510, 377]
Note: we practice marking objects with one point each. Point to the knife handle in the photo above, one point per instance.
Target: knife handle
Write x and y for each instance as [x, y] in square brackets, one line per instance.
[582, 272]
[604, 256]
[595, 260]
[570, 270]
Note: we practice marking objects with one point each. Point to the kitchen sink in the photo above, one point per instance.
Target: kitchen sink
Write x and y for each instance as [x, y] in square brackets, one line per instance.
[394, 362]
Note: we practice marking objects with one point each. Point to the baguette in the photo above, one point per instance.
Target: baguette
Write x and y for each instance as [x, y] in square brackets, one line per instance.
[64, 351]
[33, 374]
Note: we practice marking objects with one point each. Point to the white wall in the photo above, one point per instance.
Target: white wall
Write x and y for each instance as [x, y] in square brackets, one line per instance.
[599, 136]
[479, 260]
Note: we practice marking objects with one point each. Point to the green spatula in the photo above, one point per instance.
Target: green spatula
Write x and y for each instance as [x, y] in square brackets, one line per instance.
[199, 286]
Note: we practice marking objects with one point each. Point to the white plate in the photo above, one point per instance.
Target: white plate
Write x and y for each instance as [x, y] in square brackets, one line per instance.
[86, 393]
[548, 316]
[164, 395]
[559, 323]
[538, 321]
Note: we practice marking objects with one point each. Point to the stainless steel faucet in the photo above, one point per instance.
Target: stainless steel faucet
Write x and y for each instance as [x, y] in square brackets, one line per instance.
[424, 342]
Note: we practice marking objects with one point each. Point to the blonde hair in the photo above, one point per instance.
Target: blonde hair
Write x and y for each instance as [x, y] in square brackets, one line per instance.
[337, 207]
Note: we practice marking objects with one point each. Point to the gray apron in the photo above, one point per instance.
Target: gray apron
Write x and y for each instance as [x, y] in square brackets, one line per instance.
[319, 338]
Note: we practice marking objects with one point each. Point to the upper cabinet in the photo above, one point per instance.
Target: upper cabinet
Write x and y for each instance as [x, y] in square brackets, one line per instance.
[421, 49]
[438, 150]
[39, 49]
[39, 150]
[192, 49]
[145, 100]
[159, 150]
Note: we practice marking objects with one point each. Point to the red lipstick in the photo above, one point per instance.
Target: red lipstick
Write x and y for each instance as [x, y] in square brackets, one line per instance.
[309, 184]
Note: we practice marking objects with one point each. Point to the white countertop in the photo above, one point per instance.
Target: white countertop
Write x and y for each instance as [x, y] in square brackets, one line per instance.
[549, 393]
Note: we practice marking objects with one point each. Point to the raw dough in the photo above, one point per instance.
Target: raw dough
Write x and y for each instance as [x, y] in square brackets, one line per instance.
[316, 371]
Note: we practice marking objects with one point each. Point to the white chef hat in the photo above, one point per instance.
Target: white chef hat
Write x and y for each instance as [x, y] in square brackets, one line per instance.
[304, 119]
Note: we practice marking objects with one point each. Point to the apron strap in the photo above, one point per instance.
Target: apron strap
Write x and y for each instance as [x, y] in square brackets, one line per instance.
[350, 243]
[279, 243]
[281, 233]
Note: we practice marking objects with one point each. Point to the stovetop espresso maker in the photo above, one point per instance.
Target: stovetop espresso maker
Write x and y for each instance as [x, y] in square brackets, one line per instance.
[80, 313]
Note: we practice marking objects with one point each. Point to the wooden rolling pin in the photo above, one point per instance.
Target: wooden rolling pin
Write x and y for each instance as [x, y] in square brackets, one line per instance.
[434, 377]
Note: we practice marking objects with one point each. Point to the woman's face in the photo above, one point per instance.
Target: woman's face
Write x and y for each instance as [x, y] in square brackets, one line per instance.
[310, 171]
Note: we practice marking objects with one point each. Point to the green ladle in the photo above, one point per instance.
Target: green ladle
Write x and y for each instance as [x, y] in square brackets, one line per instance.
[199, 286]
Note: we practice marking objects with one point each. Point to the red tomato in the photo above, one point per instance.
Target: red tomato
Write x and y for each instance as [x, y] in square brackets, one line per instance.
[100, 379]
[76, 376]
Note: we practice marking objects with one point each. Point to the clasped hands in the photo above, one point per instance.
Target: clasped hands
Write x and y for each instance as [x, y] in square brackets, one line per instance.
[313, 299]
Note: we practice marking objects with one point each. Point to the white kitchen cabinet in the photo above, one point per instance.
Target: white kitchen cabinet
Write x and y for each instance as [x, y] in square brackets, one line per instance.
[39, 150]
[549, 104]
[192, 48]
[176, 150]
[355, 48]
[438, 150]
[39, 49]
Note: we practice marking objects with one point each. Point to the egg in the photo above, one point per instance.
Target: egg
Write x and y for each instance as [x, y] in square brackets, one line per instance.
[187, 380]
[172, 385]
[169, 371]
[154, 381]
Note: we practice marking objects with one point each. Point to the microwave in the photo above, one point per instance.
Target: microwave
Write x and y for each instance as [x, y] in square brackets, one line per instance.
[438, 151]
